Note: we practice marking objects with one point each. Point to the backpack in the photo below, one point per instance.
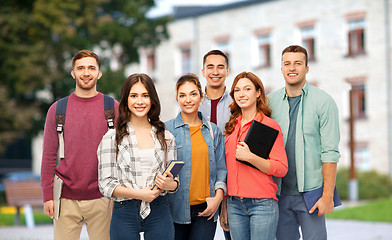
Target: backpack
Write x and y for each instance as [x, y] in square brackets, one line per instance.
[61, 109]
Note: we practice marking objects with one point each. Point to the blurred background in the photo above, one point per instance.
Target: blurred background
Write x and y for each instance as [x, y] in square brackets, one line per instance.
[348, 42]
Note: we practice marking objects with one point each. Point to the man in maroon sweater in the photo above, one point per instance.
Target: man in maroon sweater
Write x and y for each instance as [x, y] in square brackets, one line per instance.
[85, 125]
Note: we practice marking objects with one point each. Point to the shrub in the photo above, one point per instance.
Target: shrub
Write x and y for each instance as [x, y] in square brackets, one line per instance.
[371, 184]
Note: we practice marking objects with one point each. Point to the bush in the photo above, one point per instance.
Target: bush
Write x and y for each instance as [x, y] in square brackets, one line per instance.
[371, 184]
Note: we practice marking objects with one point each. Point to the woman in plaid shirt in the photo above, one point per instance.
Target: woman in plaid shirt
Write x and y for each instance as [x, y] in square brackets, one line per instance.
[132, 158]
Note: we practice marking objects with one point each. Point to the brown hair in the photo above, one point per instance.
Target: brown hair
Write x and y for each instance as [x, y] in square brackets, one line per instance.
[216, 52]
[124, 114]
[83, 54]
[235, 110]
[296, 48]
[192, 78]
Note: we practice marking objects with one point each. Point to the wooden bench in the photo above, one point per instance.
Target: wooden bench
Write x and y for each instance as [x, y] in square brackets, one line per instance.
[25, 194]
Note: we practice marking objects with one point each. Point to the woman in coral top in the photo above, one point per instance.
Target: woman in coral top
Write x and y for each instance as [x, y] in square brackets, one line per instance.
[252, 206]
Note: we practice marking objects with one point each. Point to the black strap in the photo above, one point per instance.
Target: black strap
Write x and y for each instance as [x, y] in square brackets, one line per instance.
[61, 109]
[109, 110]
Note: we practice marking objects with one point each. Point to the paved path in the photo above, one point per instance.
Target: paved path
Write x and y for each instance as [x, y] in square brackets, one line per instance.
[337, 230]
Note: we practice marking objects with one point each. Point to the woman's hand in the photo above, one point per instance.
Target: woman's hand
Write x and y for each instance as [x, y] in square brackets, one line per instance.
[147, 195]
[212, 205]
[166, 183]
[243, 152]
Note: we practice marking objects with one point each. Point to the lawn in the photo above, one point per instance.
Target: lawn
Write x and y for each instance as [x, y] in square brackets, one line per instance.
[377, 211]
[7, 219]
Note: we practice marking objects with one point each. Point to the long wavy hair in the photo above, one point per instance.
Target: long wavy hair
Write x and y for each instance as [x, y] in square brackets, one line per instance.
[261, 105]
[124, 114]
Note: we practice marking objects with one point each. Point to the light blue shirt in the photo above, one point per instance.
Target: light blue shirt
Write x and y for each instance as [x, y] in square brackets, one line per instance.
[222, 109]
[179, 202]
[317, 136]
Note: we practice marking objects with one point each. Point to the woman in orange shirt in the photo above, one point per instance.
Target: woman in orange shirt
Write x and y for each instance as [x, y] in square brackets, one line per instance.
[252, 207]
[203, 178]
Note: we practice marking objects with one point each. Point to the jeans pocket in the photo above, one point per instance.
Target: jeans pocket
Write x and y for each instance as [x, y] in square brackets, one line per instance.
[118, 205]
[265, 201]
[161, 200]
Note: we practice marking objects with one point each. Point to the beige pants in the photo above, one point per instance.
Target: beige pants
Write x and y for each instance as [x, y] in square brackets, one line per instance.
[95, 213]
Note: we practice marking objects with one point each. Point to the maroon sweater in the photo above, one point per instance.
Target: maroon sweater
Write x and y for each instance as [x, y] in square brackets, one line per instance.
[84, 127]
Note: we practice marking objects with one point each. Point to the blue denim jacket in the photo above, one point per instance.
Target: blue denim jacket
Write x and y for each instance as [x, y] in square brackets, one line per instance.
[179, 202]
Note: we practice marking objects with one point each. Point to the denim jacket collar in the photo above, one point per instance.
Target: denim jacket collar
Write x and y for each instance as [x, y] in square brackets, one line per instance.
[179, 122]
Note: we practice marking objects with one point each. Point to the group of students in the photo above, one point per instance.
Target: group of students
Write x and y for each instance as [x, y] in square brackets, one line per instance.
[208, 135]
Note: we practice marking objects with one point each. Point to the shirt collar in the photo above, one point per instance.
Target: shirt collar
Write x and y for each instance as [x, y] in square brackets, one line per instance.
[179, 122]
[225, 94]
[258, 117]
[305, 90]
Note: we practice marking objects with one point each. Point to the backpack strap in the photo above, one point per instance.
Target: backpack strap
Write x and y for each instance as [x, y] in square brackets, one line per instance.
[61, 109]
[212, 134]
[167, 139]
[109, 110]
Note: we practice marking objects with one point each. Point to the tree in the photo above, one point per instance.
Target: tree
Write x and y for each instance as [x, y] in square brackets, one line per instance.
[38, 40]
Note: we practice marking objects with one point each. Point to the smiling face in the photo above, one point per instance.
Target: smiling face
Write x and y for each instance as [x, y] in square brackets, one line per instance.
[86, 73]
[294, 69]
[245, 94]
[215, 71]
[139, 102]
[188, 97]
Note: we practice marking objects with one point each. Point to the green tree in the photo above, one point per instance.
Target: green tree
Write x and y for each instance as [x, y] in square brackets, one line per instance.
[38, 40]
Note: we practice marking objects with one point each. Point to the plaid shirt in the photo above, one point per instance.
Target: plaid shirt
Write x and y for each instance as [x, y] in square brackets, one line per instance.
[126, 169]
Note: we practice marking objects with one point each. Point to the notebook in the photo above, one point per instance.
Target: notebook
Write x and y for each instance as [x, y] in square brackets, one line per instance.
[260, 139]
[311, 197]
[174, 168]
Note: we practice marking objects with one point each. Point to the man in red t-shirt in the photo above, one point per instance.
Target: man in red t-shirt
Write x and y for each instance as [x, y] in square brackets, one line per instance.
[215, 105]
[85, 124]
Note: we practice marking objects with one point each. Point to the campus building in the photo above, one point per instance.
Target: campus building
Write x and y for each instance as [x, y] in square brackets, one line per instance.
[349, 49]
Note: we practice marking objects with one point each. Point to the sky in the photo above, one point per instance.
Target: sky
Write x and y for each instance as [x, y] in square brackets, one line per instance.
[164, 7]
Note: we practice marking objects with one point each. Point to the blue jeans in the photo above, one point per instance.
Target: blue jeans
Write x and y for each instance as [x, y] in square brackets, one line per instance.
[199, 228]
[292, 214]
[127, 223]
[252, 218]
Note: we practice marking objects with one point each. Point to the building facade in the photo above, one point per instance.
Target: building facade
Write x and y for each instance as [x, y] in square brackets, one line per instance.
[349, 50]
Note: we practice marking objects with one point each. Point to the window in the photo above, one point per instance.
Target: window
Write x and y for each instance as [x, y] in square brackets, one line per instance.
[186, 61]
[359, 100]
[222, 43]
[362, 156]
[308, 37]
[264, 50]
[151, 63]
[356, 37]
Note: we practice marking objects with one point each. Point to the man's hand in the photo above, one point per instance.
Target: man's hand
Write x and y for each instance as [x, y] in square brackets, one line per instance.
[49, 208]
[325, 205]
[223, 216]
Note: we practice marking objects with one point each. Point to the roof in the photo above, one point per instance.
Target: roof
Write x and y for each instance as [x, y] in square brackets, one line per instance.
[195, 11]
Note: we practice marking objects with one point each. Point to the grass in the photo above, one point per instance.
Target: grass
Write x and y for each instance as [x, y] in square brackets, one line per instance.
[377, 211]
[7, 219]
